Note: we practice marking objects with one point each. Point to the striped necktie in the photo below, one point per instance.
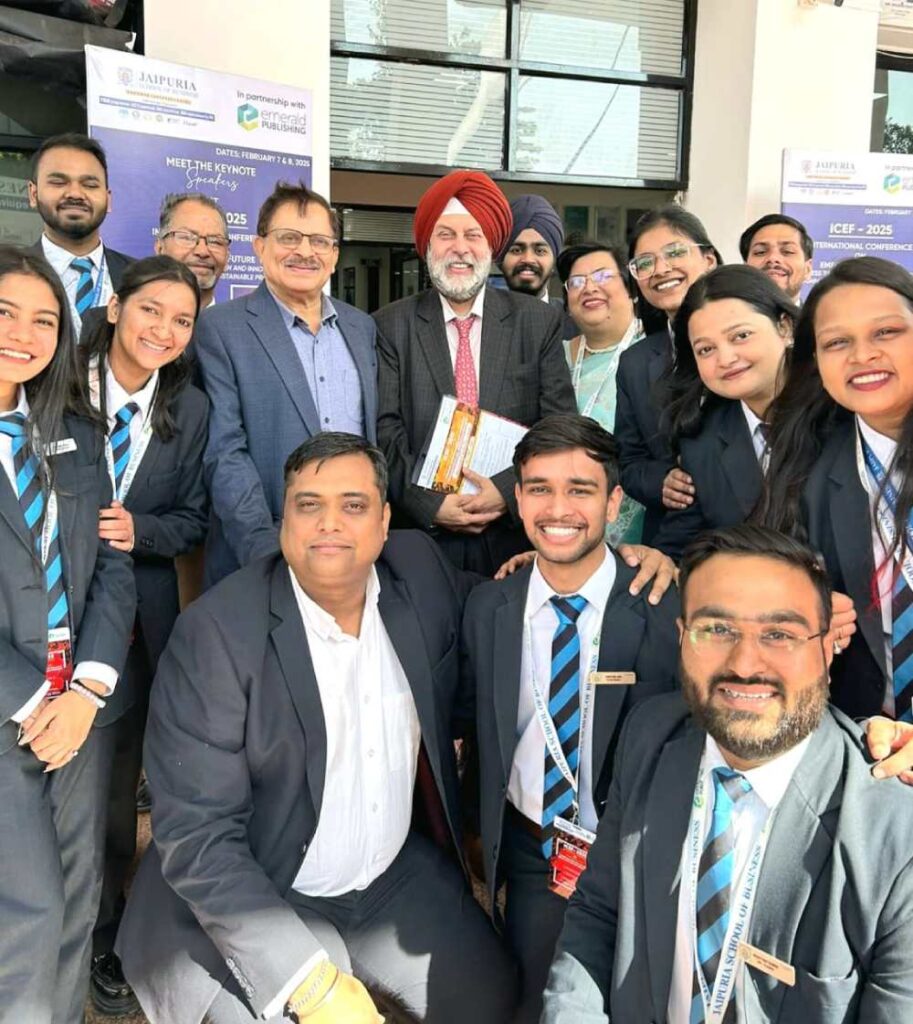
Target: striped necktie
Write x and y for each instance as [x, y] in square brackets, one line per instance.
[85, 286]
[714, 884]
[564, 711]
[31, 501]
[902, 648]
[120, 443]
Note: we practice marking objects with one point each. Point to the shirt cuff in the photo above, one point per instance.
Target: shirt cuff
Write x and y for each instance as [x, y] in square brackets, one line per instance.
[99, 672]
[23, 713]
[278, 1004]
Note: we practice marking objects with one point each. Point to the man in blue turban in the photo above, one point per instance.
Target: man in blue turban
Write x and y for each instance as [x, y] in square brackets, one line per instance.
[528, 260]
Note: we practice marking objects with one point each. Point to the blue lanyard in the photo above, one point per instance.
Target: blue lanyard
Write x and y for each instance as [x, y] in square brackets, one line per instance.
[99, 282]
[886, 488]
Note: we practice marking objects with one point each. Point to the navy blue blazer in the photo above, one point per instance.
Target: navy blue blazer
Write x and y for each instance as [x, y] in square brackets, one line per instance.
[727, 478]
[100, 588]
[262, 409]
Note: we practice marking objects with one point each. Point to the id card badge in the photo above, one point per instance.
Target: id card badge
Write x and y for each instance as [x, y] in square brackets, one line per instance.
[570, 848]
[59, 669]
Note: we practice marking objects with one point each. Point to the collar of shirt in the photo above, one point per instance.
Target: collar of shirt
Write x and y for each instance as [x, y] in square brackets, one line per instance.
[320, 620]
[22, 405]
[290, 318]
[596, 590]
[116, 397]
[769, 780]
[60, 258]
[476, 311]
[883, 447]
[755, 425]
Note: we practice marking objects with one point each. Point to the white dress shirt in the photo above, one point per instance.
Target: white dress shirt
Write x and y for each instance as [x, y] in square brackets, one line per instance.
[60, 259]
[475, 331]
[769, 783]
[884, 448]
[527, 775]
[116, 397]
[756, 430]
[93, 670]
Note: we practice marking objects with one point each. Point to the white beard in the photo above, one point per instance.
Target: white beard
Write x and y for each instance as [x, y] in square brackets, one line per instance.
[458, 289]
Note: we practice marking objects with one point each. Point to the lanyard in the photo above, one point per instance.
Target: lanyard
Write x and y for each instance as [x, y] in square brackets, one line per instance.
[552, 743]
[137, 449]
[741, 904]
[99, 282]
[631, 335]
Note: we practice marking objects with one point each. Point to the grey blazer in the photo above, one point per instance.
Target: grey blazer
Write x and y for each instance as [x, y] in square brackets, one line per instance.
[262, 409]
[236, 757]
[101, 593]
[834, 900]
[523, 375]
[636, 636]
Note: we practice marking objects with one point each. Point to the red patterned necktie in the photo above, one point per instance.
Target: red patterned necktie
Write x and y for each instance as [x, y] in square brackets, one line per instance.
[464, 371]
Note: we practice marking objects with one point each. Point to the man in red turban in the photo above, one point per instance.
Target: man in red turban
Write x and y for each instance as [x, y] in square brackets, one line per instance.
[491, 348]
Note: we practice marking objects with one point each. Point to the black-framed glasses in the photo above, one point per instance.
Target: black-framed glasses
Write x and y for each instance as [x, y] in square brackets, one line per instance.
[576, 282]
[721, 637]
[289, 238]
[644, 266]
[188, 239]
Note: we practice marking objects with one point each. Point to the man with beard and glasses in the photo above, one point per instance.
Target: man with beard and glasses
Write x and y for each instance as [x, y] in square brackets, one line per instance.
[497, 350]
[69, 189]
[545, 634]
[748, 866]
[780, 247]
[280, 365]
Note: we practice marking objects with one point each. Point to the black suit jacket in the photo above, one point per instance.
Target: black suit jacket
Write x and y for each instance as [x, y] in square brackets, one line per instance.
[727, 478]
[100, 588]
[236, 758]
[645, 454]
[835, 513]
[523, 375]
[170, 510]
[636, 637]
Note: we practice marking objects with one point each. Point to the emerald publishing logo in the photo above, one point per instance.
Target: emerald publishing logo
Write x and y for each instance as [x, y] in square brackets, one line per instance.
[248, 117]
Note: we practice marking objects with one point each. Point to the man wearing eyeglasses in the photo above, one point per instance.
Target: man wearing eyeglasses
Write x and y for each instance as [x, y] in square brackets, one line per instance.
[748, 866]
[279, 365]
[193, 229]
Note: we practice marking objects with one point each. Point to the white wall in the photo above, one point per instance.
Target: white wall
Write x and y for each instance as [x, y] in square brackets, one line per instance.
[290, 44]
[772, 75]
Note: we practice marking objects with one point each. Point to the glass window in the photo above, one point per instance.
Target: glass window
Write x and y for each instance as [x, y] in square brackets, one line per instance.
[477, 27]
[894, 111]
[596, 129]
[418, 114]
[19, 225]
[609, 35]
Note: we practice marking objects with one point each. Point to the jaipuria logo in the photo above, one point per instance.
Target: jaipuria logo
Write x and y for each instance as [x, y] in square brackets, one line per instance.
[248, 117]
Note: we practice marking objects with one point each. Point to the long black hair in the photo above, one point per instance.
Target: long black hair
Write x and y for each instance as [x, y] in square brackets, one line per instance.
[56, 390]
[687, 398]
[804, 415]
[174, 376]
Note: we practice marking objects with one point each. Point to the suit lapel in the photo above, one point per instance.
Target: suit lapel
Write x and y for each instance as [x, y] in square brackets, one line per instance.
[148, 463]
[739, 461]
[267, 324]
[666, 817]
[507, 659]
[363, 353]
[12, 513]
[848, 506]
[494, 354]
[290, 643]
[660, 355]
[432, 338]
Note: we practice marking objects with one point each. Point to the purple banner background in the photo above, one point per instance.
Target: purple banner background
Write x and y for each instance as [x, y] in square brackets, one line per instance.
[843, 232]
[144, 168]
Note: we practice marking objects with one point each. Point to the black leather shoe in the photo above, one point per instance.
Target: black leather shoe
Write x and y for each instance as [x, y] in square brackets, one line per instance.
[111, 995]
[143, 800]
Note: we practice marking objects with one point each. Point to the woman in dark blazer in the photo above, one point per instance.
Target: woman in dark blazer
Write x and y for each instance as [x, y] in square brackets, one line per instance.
[67, 602]
[841, 468]
[137, 370]
[733, 336]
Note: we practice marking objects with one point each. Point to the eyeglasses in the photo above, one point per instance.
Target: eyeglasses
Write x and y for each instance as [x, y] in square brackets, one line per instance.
[576, 282]
[289, 238]
[717, 638]
[188, 239]
[644, 266]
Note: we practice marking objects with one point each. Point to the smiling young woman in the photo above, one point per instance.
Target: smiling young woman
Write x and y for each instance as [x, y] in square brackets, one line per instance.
[841, 467]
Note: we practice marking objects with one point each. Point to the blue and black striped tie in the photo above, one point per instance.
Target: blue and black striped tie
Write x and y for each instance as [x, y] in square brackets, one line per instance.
[714, 885]
[31, 501]
[120, 443]
[85, 286]
[564, 710]
[902, 648]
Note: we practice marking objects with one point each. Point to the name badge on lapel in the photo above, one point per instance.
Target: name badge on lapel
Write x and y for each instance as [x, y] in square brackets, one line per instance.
[768, 964]
[61, 447]
[612, 679]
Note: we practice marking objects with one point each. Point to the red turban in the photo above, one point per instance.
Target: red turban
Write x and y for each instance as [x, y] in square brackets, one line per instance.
[481, 197]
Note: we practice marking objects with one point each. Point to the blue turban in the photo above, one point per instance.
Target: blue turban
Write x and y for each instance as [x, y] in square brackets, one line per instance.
[537, 213]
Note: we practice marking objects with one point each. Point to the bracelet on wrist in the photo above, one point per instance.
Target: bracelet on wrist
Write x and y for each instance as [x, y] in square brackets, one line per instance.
[87, 694]
[303, 1005]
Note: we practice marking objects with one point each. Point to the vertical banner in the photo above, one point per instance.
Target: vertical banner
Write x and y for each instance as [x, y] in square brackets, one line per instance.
[857, 204]
[172, 128]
